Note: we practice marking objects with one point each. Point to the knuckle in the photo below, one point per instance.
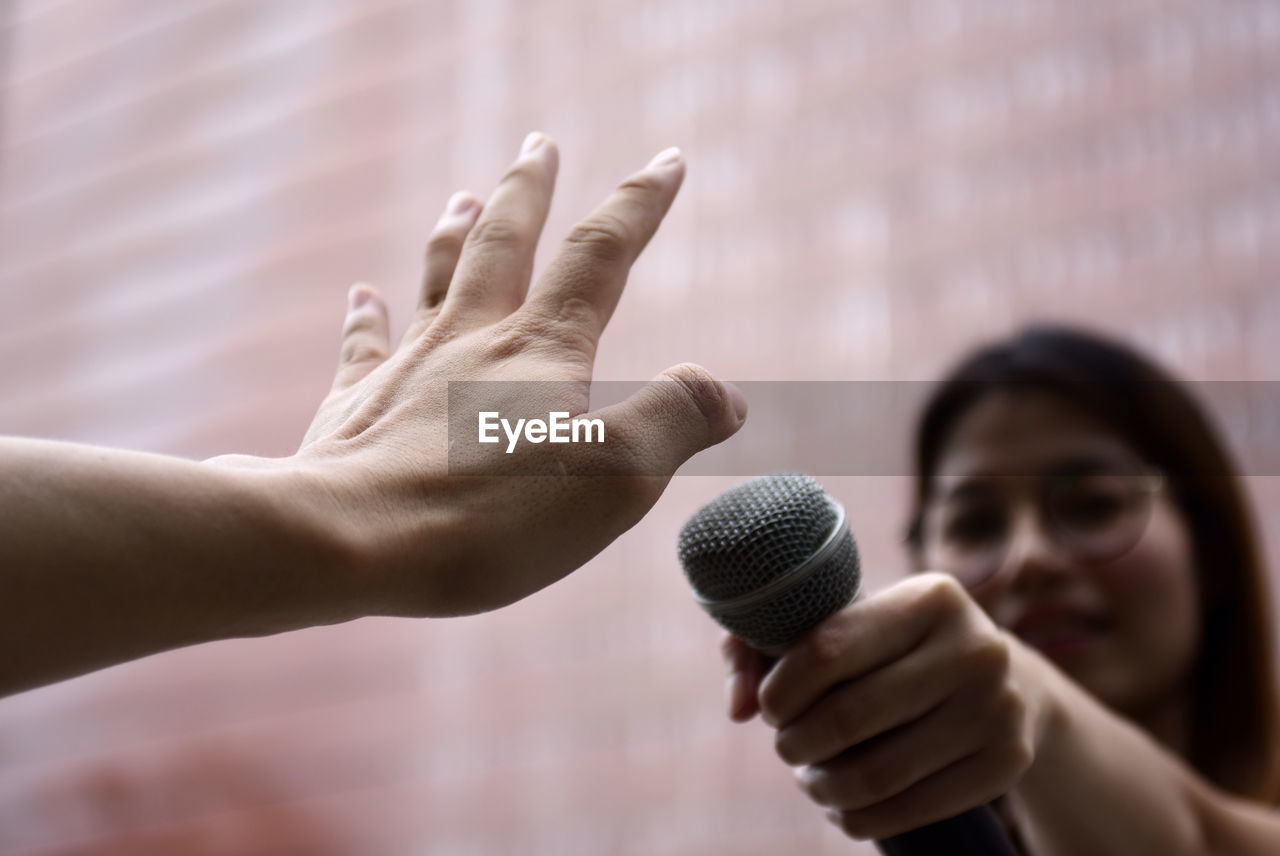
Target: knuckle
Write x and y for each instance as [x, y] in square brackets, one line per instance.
[785, 745]
[1019, 756]
[873, 781]
[1009, 711]
[813, 781]
[445, 241]
[644, 184]
[571, 324]
[824, 646]
[856, 825]
[772, 703]
[511, 339]
[362, 323]
[990, 656]
[700, 387]
[775, 704]
[361, 351]
[574, 318]
[525, 171]
[1004, 764]
[604, 237]
[496, 233]
[571, 339]
[942, 593]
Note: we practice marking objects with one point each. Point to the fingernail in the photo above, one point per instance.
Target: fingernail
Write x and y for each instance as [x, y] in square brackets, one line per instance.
[460, 203]
[532, 142]
[732, 688]
[666, 157]
[359, 295]
[739, 400]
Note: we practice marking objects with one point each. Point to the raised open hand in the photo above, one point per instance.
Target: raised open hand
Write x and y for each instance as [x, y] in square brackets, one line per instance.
[429, 531]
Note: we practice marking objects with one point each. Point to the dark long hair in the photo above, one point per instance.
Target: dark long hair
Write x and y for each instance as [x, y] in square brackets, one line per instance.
[1234, 735]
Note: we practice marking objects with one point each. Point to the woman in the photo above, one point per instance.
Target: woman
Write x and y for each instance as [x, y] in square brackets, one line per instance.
[1090, 640]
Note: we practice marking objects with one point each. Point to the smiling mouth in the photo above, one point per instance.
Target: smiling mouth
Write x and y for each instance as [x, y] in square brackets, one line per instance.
[1061, 635]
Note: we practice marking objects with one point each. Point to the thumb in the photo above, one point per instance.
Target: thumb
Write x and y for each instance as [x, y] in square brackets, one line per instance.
[746, 670]
[674, 416]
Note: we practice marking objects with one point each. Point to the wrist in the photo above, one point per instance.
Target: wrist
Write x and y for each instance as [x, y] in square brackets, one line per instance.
[313, 554]
[1049, 721]
[1041, 683]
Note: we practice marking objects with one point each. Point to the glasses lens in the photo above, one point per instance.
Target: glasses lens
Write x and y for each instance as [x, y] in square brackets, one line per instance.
[1095, 517]
[968, 540]
[1099, 516]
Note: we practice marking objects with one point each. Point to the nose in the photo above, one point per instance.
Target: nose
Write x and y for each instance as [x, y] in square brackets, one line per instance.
[1033, 556]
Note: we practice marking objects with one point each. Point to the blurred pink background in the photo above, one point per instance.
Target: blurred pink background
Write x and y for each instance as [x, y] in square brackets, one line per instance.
[188, 189]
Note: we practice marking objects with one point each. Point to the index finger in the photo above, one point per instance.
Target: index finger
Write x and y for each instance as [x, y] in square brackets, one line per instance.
[581, 286]
[860, 638]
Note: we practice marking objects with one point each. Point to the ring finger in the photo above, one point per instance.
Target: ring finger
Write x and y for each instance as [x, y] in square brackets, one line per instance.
[444, 247]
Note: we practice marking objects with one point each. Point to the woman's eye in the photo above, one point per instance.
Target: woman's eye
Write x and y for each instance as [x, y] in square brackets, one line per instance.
[975, 527]
[1091, 510]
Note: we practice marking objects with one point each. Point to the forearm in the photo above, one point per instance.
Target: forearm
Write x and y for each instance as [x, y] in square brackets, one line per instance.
[108, 555]
[1101, 785]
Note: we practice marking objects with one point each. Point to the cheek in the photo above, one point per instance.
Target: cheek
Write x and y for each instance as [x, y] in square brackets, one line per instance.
[1152, 591]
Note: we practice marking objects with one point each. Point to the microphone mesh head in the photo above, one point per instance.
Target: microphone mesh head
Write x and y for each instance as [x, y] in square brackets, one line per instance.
[752, 534]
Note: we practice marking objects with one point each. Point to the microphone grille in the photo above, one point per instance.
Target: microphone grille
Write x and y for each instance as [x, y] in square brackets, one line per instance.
[755, 533]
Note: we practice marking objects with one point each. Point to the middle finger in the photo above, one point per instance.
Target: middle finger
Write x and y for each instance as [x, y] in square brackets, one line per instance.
[866, 707]
[497, 259]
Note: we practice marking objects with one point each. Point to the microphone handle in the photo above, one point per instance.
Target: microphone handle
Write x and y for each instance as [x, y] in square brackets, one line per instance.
[976, 832]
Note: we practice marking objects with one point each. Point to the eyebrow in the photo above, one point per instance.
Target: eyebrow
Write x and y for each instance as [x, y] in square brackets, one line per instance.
[979, 484]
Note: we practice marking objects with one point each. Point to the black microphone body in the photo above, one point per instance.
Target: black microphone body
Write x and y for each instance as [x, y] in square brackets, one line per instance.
[976, 832]
[769, 560]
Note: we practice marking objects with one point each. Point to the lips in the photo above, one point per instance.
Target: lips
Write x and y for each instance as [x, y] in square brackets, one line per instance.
[1057, 630]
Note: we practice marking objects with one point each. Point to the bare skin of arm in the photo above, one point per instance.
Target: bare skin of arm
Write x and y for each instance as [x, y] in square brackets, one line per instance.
[1139, 795]
[107, 555]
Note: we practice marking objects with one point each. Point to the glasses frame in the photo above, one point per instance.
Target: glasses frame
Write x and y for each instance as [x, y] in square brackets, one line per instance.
[1150, 483]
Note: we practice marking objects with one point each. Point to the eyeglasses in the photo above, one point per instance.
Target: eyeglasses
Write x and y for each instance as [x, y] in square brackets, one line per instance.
[1091, 517]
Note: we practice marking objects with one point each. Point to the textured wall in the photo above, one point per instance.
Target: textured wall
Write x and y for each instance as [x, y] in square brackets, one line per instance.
[187, 190]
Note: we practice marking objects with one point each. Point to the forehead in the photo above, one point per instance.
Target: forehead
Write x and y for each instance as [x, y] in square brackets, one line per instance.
[1010, 433]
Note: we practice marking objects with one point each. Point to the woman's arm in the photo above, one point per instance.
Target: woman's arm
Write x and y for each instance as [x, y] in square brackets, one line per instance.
[911, 706]
[1101, 785]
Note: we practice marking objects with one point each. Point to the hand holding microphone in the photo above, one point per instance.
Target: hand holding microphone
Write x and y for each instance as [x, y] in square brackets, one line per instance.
[901, 712]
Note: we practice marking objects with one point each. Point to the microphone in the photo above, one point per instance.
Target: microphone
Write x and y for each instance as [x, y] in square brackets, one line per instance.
[769, 560]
